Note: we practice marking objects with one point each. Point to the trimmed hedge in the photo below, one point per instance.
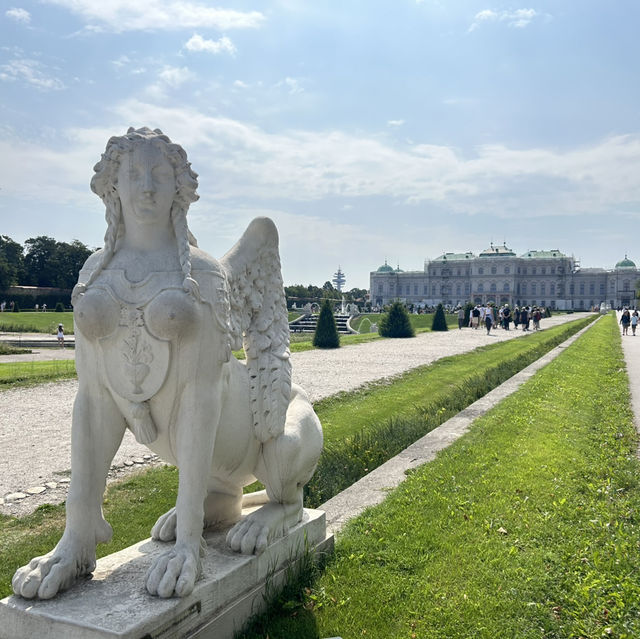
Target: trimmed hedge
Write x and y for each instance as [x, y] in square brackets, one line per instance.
[439, 320]
[396, 322]
[326, 335]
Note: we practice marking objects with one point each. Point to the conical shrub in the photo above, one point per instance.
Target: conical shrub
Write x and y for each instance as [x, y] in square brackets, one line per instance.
[439, 320]
[396, 322]
[326, 335]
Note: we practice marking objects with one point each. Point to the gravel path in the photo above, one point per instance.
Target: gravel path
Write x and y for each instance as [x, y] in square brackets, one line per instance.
[35, 422]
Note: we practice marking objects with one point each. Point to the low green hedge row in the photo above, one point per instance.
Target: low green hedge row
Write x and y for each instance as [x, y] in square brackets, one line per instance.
[343, 463]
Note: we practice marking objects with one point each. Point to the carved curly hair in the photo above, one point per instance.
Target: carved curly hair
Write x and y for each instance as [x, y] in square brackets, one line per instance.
[105, 184]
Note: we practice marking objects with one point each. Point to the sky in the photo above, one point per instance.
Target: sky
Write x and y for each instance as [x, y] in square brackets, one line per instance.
[368, 130]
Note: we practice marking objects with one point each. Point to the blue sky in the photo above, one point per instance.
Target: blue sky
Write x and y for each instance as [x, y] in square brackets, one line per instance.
[367, 129]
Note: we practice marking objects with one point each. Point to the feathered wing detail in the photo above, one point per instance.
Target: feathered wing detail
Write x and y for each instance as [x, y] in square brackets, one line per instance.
[259, 321]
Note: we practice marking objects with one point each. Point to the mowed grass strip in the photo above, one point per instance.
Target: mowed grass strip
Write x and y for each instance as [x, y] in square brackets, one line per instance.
[133, 505]
[25, 322]
[14, 374]
[526, 527]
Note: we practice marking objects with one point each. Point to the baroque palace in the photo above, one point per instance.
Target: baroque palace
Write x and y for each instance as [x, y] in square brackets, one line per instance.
[498, 275]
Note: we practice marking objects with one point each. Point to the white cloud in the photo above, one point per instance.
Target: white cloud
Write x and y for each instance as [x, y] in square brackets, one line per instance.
[395, 122]
[125, 15]
[19, 15]
[30, 71]
[198, 43]
[243, 163]
[518, 18]
[175, 76]
[239, 84]
[122, 61]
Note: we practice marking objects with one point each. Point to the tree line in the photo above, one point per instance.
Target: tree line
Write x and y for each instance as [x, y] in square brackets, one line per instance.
[42, 261]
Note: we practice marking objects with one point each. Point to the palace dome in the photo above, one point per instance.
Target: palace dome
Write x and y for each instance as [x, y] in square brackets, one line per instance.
[385, 268]
[626, 263]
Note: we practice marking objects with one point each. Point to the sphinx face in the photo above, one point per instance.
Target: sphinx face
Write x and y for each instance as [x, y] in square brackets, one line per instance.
[146, 184]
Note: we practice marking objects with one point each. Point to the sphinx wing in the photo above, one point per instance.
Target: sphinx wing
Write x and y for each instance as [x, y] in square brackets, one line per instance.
[259, 322]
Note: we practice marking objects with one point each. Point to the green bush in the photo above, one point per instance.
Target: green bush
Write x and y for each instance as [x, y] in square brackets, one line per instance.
[16, 308]
[396, 322]
[59, 307]
[326, 335]
[439, 320]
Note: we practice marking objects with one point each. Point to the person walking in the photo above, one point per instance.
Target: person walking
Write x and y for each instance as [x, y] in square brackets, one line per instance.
[488, 318]
[460, 317]
[61, 335]
[625, 320]
[506, 317]
[634, 321]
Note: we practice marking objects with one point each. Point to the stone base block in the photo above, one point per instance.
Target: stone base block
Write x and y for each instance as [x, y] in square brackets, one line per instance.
[114, 602]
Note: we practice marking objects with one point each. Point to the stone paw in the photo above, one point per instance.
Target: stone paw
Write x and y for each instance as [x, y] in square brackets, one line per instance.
[175, 572]
[46, 576]
[165, 528]
[253, 533]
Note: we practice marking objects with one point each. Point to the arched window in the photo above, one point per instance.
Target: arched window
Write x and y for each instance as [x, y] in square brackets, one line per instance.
[492, 287]
[506, 287]
[481, 288]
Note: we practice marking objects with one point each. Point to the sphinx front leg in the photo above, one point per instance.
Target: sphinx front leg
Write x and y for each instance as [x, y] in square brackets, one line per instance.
[176, 571]
[97, 430]
[286, 465]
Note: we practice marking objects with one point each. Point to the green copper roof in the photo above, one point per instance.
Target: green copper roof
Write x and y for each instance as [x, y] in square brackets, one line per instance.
[626, 263]
[543, 254]
[452, 257]
[497, 251]
[385, 268]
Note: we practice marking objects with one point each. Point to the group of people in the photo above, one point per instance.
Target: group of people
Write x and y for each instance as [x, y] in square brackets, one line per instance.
[629, 319]
[486, 315]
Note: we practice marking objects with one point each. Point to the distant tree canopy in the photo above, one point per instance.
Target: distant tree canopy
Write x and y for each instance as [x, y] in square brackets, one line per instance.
[42, 262]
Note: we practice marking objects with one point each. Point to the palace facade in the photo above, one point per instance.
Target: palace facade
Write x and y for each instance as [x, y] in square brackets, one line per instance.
[498, 275]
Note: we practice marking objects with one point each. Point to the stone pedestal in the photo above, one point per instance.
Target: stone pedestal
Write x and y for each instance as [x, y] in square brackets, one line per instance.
[114, 602]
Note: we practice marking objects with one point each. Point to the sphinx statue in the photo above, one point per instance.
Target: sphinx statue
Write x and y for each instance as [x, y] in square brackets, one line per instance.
[156, 320]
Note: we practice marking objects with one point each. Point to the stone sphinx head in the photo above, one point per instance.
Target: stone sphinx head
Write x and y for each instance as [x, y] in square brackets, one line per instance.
[106, 183]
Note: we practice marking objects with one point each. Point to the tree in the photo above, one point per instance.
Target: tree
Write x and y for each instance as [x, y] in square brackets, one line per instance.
[326, 335]
[439, 320]
[11, 262]
[396, 322]
[69, 261]
[40, 261]
[51, 263]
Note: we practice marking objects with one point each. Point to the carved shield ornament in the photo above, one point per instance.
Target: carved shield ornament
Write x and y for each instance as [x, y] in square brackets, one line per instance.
[136, 362]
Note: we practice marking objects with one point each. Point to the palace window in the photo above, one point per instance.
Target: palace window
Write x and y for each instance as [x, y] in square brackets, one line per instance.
[492, 287]
[425, 290]
[415, 289]
[533, 270]
[507, 270]
[581, 288]
[407, 288]
[571, 288]
[601, 288]
[458, 290]
[480, 270]
[481, 288]
[552, 288]
[494, 270]
[543, 288]
[543, 270]
[592, 288]
[506, 287]
[379, 288]
[533, 289]
[524, 288]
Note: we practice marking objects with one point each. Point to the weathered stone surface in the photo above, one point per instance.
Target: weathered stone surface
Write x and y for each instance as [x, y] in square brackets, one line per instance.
[114, 602]
[36, 490]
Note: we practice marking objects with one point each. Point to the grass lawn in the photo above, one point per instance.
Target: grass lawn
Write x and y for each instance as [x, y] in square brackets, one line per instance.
[27, 373]
[526, 527]
[132, 506]
[25, 322]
